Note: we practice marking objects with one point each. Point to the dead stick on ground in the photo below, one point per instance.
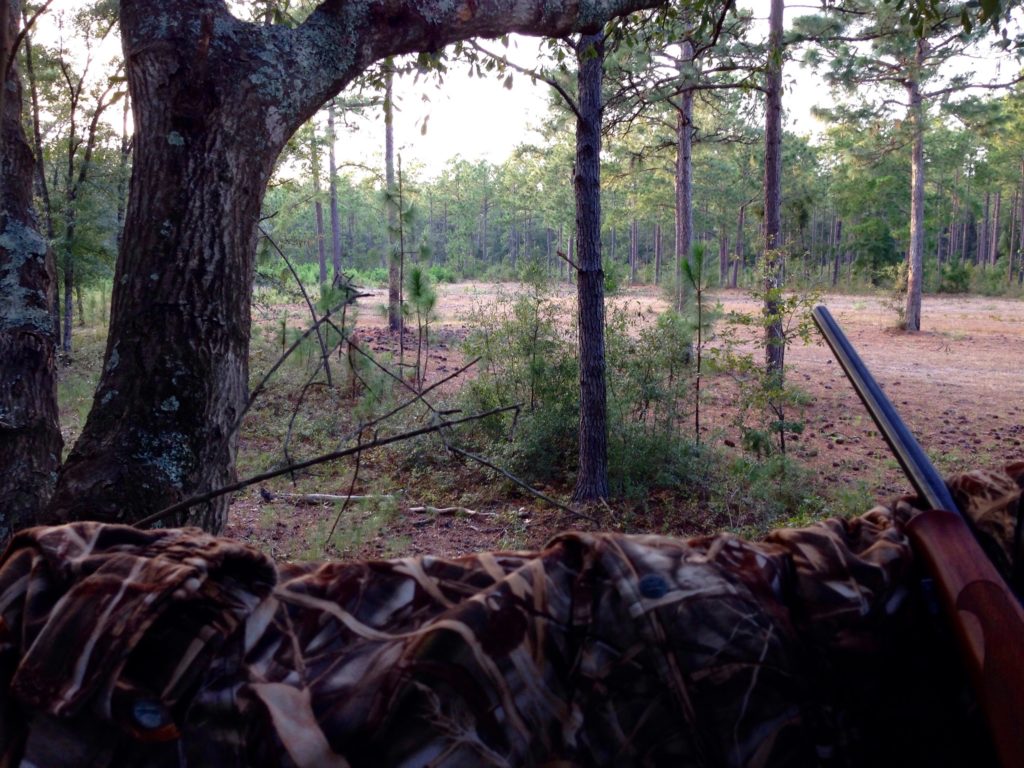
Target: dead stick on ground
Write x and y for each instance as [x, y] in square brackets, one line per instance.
[320, 498]
[451, 511]
[323, 459]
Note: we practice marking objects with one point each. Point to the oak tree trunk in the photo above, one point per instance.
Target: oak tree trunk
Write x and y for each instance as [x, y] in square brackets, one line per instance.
[215, 101]
[30, 439]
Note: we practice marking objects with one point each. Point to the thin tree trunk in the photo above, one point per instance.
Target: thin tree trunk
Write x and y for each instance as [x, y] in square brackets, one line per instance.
[394, 267]
[30, 439]
[981, 257]
[684, 182]
[561, 262]
[550, 254]
[915, 254]
[485, 211]
[723, 256]
[774, 342]
[740, 255]
[634, 248]
[332, 186]
[318, 208]
[1011, 237]
[837, 259]
[592, 478]
[993, 248]
[69, 301]
[657, 254]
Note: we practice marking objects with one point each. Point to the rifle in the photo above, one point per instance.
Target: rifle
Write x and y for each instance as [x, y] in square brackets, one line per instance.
[987, 618]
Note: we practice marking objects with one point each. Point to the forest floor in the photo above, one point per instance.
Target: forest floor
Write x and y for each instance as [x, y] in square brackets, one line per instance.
[957, 384]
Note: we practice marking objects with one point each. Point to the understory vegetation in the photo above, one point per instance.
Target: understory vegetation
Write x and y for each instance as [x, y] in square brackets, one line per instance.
[665, 476]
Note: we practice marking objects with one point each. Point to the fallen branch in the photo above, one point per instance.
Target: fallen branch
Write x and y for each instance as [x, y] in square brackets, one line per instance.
[322, 459]
[319, 498]
[451, 511]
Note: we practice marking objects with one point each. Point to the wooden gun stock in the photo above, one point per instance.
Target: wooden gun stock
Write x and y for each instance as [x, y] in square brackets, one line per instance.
[987, 618]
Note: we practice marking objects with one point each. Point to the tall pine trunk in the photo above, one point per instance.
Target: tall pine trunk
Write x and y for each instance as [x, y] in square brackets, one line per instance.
[774, 341]
[592, 479]
[30, 439]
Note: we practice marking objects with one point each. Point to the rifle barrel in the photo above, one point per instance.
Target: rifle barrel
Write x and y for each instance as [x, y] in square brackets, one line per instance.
[912, 458]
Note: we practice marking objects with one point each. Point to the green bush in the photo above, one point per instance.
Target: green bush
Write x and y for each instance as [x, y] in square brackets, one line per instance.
[526, 360]
[440, 273]
[615, 275]
[955, 278]
[376, 277]
[990, 280]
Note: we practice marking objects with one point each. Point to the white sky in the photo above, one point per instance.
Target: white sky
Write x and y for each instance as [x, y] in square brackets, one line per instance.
[478, 118]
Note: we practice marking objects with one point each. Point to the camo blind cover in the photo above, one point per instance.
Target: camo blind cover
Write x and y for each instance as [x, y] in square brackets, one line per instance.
[164, 648]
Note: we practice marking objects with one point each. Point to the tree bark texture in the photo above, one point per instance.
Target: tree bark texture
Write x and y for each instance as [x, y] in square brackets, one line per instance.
[774, 339]
[30, 439]
[215, 100]
[915, 252]
[592, 479]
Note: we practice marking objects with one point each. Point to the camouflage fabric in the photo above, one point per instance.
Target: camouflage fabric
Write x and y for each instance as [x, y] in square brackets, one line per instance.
[121, 647]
